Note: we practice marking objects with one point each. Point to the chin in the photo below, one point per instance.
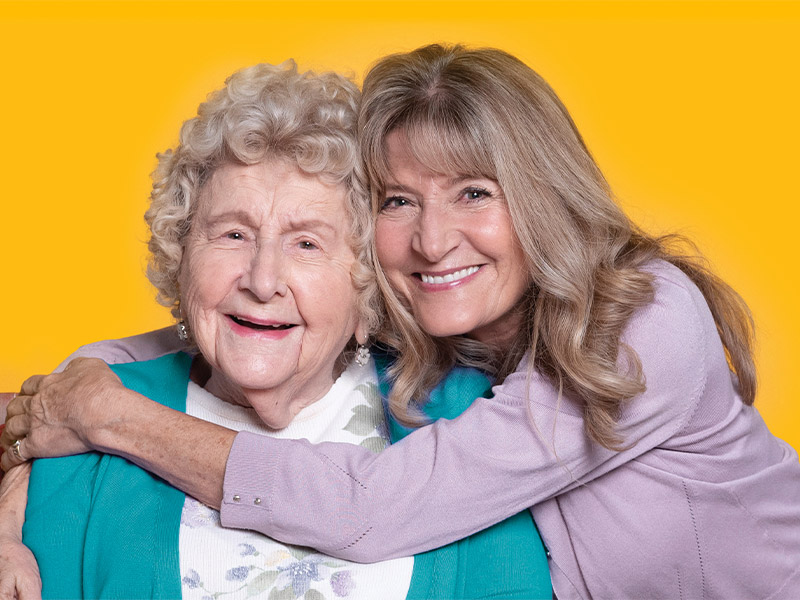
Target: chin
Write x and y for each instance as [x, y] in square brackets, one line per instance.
[275, 422]
[255, 386]
[440, 331]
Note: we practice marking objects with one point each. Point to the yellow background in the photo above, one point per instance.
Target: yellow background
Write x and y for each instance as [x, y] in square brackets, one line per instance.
[691, 109]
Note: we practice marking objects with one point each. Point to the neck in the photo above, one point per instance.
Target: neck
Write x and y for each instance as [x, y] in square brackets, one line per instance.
[500, 335]
[276, 407]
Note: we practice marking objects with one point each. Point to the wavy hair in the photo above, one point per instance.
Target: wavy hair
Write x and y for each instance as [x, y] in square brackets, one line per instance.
[264, 112]
[484, 112]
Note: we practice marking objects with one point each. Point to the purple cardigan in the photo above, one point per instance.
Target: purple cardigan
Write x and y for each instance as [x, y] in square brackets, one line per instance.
[705, 502]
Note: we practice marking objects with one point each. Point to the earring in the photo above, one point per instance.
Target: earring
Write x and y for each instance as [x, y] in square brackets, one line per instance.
[183, 331]
[362, 355]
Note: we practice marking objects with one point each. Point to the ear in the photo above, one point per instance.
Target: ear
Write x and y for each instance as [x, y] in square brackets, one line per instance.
[362, 332]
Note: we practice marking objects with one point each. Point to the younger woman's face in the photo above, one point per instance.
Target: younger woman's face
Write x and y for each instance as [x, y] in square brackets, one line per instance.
[446, 244]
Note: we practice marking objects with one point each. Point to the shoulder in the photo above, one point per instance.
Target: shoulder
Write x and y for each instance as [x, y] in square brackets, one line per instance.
[142, 347]
[675, 339]
[674, 288]
[670, 337]
[163, 379]
[456, 392]
[676, 327]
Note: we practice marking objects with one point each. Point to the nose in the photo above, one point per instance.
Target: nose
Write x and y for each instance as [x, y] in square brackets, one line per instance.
[435, 233]
[265, 276]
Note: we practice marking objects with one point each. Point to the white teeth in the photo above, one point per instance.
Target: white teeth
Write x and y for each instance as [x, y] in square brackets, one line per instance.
[450, 276]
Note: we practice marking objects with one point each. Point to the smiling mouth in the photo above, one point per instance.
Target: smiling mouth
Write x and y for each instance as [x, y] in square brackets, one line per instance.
[259, 326]
[450, 277]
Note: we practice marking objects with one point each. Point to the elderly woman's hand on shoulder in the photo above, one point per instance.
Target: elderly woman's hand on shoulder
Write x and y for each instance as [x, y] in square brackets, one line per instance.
[45, 420]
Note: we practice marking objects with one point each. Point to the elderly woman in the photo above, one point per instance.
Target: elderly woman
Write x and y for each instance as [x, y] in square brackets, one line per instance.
[258, 241]
[623, 415]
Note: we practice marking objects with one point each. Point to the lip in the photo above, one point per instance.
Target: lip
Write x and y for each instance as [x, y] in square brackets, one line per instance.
[446, 279]
[271, 334]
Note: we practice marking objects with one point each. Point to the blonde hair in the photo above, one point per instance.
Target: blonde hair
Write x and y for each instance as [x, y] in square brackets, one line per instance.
[484, 112]
[263, 112]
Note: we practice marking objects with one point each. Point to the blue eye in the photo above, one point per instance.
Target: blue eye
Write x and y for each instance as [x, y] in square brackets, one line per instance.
[234, 235]
[476, 193]
[395, 202]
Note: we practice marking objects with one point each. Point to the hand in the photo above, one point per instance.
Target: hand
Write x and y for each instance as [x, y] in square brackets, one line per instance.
[19, 573]
[54, 415]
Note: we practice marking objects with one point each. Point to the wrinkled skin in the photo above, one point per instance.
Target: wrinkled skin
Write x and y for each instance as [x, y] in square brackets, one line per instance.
[41, 404]
[43, 419]
[19, 574]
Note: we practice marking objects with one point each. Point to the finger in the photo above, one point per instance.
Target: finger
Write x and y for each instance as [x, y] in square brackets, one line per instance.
[5, 440]
[18, 406]
[31, 385]
[5, 462]
[7, 589]
[29, 587]
[15, 455]
[9, 460]
[17, 427]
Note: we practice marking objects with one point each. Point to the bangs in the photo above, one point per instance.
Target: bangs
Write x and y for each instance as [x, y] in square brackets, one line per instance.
[452, 144]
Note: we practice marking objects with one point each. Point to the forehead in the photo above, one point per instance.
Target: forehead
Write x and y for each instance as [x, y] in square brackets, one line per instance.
[272, 190]
[406, 166]
[432, 151]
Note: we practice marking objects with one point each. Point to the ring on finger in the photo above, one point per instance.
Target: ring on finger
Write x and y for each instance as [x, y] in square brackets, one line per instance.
[15, 449]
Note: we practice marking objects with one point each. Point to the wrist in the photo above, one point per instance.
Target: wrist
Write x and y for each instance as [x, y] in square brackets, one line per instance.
[13, 499]
[112, 421]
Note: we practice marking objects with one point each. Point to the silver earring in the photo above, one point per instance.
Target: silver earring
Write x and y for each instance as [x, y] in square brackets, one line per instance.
[362, 355]
[183, 331]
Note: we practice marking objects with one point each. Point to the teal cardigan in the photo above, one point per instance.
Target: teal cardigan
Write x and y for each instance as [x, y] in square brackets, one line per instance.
[101, 527]
[507, 560]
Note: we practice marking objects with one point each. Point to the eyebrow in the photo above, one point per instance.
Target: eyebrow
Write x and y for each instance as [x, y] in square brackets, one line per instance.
[239, 216]
[294, 222]
[299, 223]
[397, 187]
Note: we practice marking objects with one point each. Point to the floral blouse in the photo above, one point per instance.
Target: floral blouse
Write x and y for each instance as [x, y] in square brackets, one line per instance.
[230, 564]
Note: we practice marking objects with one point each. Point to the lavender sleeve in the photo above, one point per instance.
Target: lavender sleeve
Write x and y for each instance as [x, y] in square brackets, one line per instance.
[453, 478]
[145, 346]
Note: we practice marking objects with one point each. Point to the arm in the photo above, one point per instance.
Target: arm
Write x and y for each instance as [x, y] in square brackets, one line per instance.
[145, 346]
[113, 419]
[19, 574]
[187, 452]
[443, 482]
[85, 407]
[503, 454]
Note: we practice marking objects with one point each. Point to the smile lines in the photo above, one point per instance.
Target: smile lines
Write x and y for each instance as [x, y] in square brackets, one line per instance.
[450, 277]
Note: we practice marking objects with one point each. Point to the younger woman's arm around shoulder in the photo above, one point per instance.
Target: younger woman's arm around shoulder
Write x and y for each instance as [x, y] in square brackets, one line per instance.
[89, 409]
[144, 346]
[86, 408]
[444, 482]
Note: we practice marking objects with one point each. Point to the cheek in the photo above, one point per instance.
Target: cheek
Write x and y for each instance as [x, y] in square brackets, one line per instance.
[495, 234]
[392, 243]
[326, 298]
[514, 264]
[205, 280]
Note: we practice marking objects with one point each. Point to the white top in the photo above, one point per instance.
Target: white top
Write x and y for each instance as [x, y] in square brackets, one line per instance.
[234, 563]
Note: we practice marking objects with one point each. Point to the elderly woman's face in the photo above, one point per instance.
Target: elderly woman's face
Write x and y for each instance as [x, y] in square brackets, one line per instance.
[266, 287]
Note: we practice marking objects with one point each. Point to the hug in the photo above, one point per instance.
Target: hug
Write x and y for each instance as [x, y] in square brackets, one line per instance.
[437, 262]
